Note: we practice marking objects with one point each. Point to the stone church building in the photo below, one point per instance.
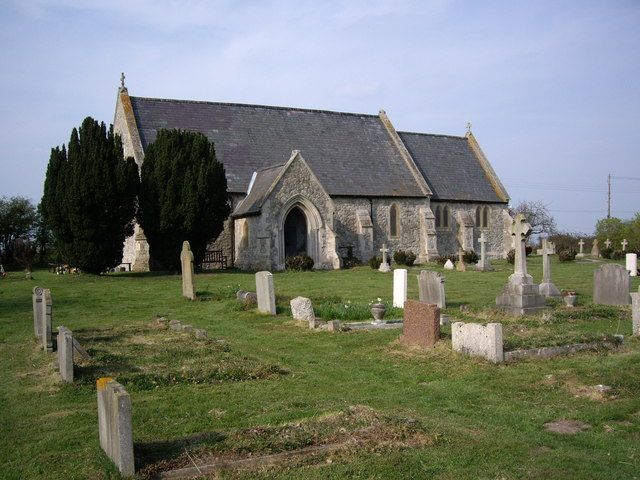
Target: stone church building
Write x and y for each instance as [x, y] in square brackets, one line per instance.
[330, 184]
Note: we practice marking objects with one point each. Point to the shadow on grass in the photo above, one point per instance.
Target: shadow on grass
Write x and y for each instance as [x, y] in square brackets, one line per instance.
[149, 453]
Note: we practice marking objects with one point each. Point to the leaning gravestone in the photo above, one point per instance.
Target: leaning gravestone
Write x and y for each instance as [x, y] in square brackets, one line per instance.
[431, 288]
[65, 353]
[520, 296]
[635, 312]
[265, 293]
[188, 275]
[611, 285]
[399, 287]
[632, 264]
[421, 325]
[37, 310]
[302, 309]
[46, 313]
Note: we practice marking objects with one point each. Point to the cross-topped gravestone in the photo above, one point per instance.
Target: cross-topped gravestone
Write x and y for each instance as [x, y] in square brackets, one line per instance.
[483, 264]
[384, 266]
[547, 288]
[581, 245]
[188, 276]
[624, 244]
[460, 263]
[607, 243]
[520, 295]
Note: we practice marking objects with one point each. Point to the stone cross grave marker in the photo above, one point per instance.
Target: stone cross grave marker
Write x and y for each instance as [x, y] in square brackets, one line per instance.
[632, 264]
[399, 287]
[45, 320]
[188, 276]
[624, 244]
[547, 288]
[595, 248]
[384, 266]
[607, 243]
[581, 245]
[37, 310]
[431, 288]
[265, 292]
[460, 263]
[483, 264]
[611, 285]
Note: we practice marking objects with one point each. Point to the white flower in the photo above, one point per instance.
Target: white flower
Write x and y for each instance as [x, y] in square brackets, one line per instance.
[379, 299]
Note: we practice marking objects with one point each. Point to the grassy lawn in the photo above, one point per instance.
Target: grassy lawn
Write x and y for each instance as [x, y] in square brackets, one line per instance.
[263, 384]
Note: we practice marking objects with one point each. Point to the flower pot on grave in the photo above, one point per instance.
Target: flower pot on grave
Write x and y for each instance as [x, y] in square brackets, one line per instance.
[569, 300]
[378, 310]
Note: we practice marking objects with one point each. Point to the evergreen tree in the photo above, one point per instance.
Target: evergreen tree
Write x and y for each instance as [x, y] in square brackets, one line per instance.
[89, 200]
[183, 196]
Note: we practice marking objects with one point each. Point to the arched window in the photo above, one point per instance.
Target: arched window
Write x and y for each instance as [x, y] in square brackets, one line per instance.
[394, 220]
[485, 217]
[479, 217]
[438, 216]
[445, 217]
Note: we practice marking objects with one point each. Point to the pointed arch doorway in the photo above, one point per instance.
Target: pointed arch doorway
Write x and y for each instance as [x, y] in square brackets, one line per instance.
[295, 233]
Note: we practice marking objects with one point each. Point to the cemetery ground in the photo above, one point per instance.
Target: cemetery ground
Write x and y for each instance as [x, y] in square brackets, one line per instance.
[264, 384]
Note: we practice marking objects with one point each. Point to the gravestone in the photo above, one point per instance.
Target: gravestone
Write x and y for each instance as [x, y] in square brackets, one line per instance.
[399, 287]
[460, 263]
[478, 340]
[46, 318]
[595, 248]
[188, 275]
[448, 265]
[421, 325]
[547, 288]
[520, 296]
[37, 310]
[65, 353]
[580, 254]
[114, 424]
[431, 288]
[265, 293]
[607, 243]
[384, 266]
[632, 264]
[635, 313]
[624, 244]
[483, 264]
[302, 309]
[611, 285]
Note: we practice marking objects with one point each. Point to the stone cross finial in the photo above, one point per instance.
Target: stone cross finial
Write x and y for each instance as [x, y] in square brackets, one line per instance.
[624, 244]
[122, 80]
[468, 127]
[581, 244]
[607, 243]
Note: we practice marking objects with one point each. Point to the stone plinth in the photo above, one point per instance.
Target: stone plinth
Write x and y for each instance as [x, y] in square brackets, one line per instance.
[478, 340]
[611, 285]
[520, 299]
[65, 353]
[37, 310]
[399, 287]
[265, 293]
[421, 326]
[431, 288]
[302, 309]
[114, 424]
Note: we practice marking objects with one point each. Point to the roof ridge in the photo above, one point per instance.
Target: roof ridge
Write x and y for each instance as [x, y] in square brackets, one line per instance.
[253, 105]
[460, 137]
[280, 165]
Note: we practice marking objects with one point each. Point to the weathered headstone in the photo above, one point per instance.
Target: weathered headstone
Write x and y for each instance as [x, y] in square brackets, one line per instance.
[483, 265]
[448, 265]
[611, 285]
[46, 319]
[595, 248]
[114, 424]
[624, 244]
[399, 287]
[65, 353]
[547, 288]
[632, 264]
[200, 333]
[478, 340]
[188, 275]
[37, 310]
[265, 292]
[520, 295]
[580, 254]
[460, 263]
[302, 309]
[635, 313]
[431, 288]
[384, 266]
[421, 325]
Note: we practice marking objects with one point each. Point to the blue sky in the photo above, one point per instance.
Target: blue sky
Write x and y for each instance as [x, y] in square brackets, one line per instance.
[551, 88]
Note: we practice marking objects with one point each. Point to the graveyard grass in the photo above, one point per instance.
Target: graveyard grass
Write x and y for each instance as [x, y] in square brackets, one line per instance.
[264, 384]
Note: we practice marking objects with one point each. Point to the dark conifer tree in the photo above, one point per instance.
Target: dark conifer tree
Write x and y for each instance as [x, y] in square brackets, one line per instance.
[183, 196]
[89, 200]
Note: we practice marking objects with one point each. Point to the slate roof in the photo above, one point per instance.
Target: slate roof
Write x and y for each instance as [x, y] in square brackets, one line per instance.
[450, 167]
[350, 154]
[252, 203]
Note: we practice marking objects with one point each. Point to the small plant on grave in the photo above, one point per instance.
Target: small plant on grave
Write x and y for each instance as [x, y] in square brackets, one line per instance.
[302, 262]
[411, 258]
[351, 262]
[375, 262]
[567, 255]
[470, 256]
[606, 252]
[617, 255]
[511, 256]
[400, 257]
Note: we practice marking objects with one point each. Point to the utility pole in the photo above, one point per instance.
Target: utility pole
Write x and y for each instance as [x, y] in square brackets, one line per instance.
[609, 196]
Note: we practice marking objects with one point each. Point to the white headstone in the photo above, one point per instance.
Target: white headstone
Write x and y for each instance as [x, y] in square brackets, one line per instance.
[265, 293]
[632, 264]
[448, 265]
[399, 287]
